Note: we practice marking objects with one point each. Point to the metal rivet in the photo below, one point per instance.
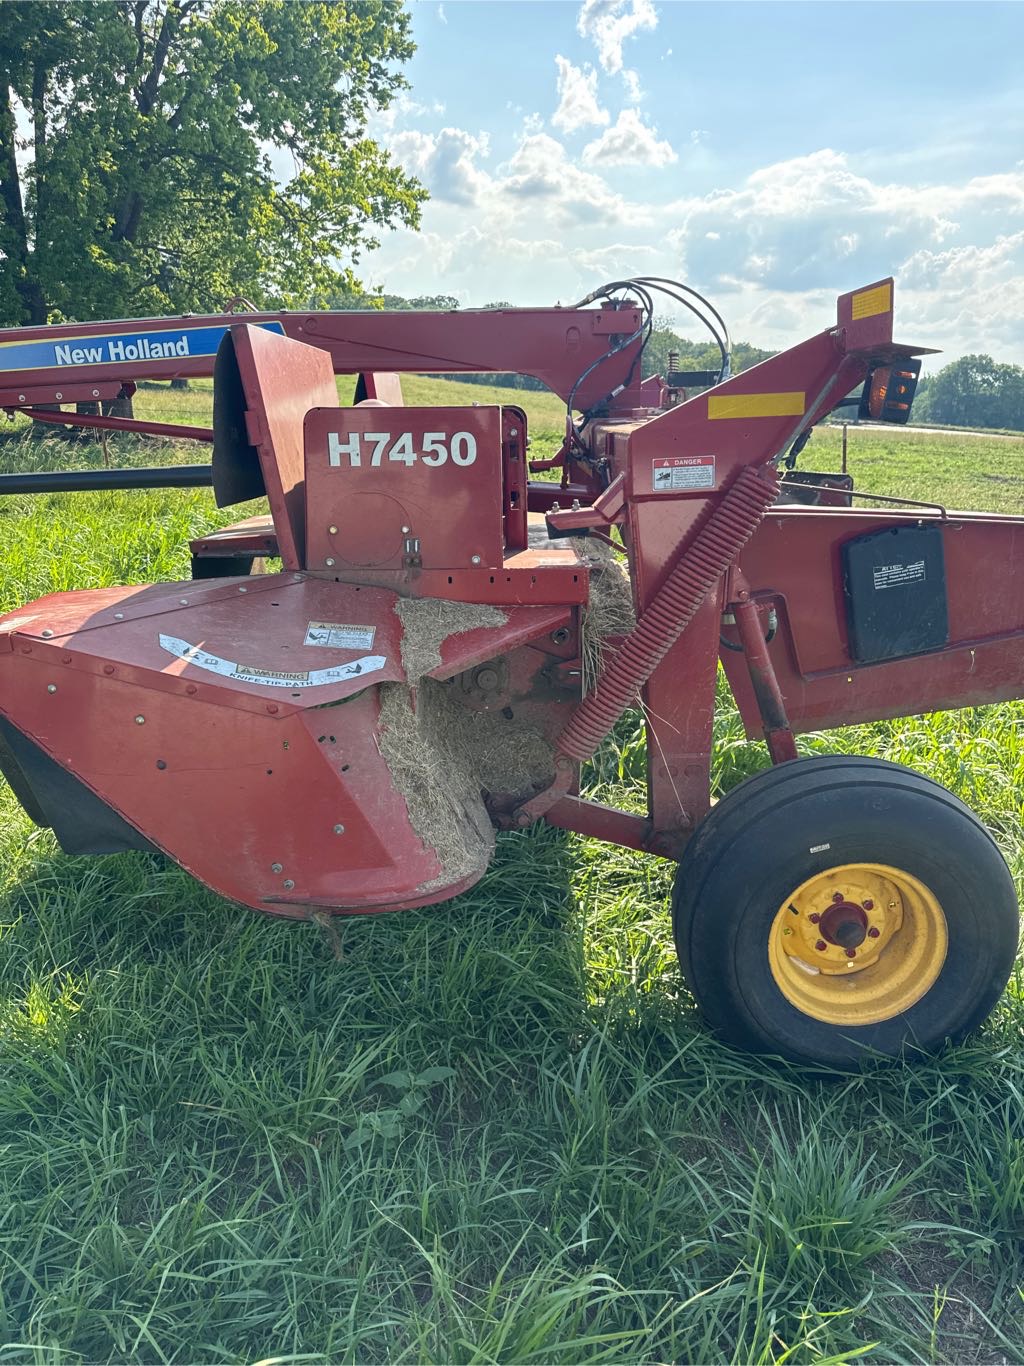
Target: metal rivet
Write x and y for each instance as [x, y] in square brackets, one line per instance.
[276, 867]
[140, 720]
[108, 668]
[95, 393]
[58, 395]
[119, 616]
[339, 829]
[851, 953]
[183, 601]
[873, 933]
[837, 896]
[161, 764]
[272, 707]
[332, 530]
[474, 559]
[821, 946]
[21, 398]
[513, 431]
[868, 905]
[51, 687]
[814, 917]
[46, 634]
[243, 589]
[406, 530]
[288, 884]
[191, 688]
[329, 561]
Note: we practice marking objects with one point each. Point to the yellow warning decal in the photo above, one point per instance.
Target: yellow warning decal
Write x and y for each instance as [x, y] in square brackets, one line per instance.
[870, 302]
[755, 405]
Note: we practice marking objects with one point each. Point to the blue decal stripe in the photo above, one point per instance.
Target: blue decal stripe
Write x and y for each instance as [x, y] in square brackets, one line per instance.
[57, 354]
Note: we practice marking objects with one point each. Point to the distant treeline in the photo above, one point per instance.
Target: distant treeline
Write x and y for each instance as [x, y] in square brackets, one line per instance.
[975, 391]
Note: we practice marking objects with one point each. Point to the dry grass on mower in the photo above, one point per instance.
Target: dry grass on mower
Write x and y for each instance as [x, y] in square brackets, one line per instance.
[495, 1131]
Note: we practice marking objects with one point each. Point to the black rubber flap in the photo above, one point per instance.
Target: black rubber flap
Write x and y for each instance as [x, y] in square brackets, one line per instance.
[895, 585]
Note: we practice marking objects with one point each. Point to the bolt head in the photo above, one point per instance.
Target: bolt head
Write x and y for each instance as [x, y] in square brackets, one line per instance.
[513, 431]
[474, 559]
[329, 561]
[406, 530]
[288, 884]
[119, 616]
[51, 687]
[243, 590]
[183, 602]
[46, 634]
[821, 946]
[868, 905]
[851, 953]
[873, 933]
[277, 867]
[339, 829]
[837, 896]
[140, 720]
[332, 531]
[814, 917]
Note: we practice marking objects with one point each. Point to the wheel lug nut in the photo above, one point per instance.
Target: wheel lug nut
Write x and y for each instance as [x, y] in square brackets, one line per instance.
[873, 933]
[851, 953]
[837, 896]
[821, 946]
[868, 905]
[814, 917]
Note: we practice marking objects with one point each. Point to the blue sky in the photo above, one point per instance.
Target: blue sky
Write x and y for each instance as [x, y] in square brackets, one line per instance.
[771, 155]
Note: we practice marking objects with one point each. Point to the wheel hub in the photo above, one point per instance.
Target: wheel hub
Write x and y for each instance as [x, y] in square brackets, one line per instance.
[857, 944]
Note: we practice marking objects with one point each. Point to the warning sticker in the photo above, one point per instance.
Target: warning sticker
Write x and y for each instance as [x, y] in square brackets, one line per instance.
[269, 678]
[335, 636]
[671, 474]
[896, 575]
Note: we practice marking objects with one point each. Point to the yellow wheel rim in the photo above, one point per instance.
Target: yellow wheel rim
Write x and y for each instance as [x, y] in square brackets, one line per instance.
[857, 944]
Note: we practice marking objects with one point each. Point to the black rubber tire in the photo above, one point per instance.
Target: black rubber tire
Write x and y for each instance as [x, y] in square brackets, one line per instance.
[755, 847]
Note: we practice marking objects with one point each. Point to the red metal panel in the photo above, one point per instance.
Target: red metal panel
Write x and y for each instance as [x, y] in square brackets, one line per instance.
[392, 488]
[282, 380]
[793, 562]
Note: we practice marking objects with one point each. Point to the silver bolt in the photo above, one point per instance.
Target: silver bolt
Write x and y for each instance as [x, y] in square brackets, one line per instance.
[406, 530]
[95, 393]
[339, 829]
[329, 561]
[475, 559]
[119, 616]
[140, 720]
[288, 884]
[183, 601]
[46, 634]
[276, 867]
[58, 395]
[513, 431]
[332, 530]
[21, 398]
[51, 687]
[243, 590]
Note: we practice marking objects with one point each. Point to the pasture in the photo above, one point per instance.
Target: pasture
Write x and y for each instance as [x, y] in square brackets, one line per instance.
[494, 1131]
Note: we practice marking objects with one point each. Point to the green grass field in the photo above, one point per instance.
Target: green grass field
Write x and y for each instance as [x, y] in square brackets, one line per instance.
[494, 1131]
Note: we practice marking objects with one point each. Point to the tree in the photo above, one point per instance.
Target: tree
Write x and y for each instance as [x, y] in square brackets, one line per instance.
[974, 391]
[150, 125]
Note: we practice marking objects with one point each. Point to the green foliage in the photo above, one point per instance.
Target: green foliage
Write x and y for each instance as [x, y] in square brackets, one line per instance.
[150, 187]
[974, 391]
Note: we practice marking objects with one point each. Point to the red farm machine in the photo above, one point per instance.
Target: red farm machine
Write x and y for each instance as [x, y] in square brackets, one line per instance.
[447, 641]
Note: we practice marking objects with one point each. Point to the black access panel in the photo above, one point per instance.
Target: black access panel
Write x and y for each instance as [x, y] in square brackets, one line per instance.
[895, 586]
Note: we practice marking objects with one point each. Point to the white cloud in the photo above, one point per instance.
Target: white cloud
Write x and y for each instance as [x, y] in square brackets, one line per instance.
[441, 16]
[632, 83]
[629, 142]
[578, 105]
[445, 162]
[540, 177]
[609, 23]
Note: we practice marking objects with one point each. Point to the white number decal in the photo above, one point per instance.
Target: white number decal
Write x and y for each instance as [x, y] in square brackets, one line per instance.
[380, 440]
[402, 449]
[435, 451]
[463, 448]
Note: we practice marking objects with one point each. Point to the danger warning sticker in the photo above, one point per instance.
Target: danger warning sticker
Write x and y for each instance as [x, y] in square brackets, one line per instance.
[683, 472]
[335, 636]
[269, 678]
